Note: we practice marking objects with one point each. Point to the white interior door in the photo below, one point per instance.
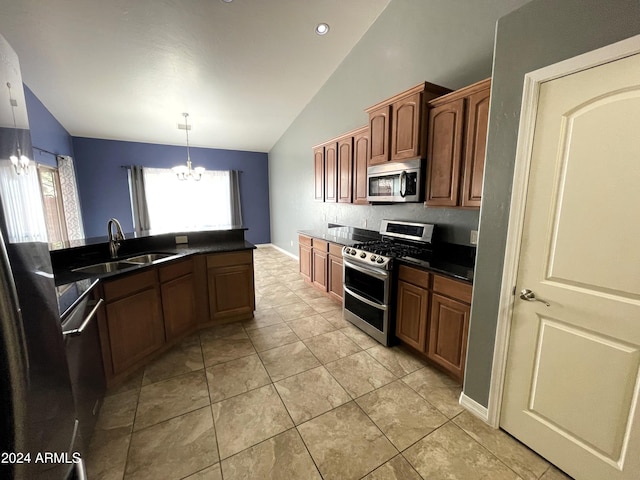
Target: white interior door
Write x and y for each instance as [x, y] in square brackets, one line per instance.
[572, 375]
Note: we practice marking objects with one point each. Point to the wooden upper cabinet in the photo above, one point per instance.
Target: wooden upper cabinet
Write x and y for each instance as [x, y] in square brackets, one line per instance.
[345, 169]
[446, 124]
[360, 156]
[456, 147]
[318, 174]
[397, 125]
[476, 147]
[379, 134]
[331, 172]
[406, 128]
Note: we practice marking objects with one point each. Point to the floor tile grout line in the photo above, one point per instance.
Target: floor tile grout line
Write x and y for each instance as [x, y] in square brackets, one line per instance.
[213, 420]
[133, 422]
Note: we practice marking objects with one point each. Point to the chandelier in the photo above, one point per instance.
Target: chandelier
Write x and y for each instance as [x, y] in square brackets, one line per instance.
[186, 172]
[19, 161]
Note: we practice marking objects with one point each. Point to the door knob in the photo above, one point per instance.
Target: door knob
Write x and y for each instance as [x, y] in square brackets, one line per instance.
[529, 296]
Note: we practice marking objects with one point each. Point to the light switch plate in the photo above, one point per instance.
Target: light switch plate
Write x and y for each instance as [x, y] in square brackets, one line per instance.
[474, 237]
[181, 239]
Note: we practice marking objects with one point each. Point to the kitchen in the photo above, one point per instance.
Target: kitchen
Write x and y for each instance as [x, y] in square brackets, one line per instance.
[522, 45]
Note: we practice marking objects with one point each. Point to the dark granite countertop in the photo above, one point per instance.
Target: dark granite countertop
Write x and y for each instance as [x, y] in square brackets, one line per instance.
[456, 261]
[341, 235]
[73, 286]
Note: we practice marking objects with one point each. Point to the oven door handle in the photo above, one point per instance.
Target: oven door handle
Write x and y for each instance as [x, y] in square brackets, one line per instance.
[364, 300]
[78, 331]
[379, 274]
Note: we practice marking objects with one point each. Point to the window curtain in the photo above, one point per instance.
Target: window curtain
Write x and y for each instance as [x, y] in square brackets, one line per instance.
[139, 207]
[70, 198]
[176, 205]
[235, 205]
[22, 204]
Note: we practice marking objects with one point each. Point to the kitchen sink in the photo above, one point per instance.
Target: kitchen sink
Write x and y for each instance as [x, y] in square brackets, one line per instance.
[148, 257]
[106, 267]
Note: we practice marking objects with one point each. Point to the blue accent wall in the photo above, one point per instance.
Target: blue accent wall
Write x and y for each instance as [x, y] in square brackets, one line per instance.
[104, 187]
[46, 132]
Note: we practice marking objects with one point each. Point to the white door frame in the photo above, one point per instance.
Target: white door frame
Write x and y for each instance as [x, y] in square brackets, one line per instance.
[524, 147]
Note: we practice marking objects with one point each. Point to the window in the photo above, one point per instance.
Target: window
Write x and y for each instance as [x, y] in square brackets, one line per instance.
[53, 207]
[175, 205]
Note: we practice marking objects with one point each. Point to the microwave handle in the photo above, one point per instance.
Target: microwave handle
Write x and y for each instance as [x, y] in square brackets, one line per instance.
[403, 182]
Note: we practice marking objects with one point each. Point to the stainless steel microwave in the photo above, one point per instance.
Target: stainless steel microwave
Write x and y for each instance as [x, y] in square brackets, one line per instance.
[395, 182]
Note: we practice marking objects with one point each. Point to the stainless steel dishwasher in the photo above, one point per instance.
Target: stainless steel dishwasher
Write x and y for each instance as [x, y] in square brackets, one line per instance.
[84, 357]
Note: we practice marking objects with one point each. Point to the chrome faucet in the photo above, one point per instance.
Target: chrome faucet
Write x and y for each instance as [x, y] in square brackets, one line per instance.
[114, 240]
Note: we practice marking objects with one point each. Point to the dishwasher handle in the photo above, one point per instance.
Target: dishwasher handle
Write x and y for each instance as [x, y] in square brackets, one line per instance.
[78, 331]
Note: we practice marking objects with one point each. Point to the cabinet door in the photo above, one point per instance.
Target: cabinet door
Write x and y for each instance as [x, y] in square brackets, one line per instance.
[319, 271]
[475, 148]
[448, 330]
[444, 157]
[335, 286]
[379, 131]
[231, 291]
[360, 157]
[345, 169]
[135, 328]
[305, 261]
[318, 174]
[411, 317]
[405, 128]
[179, 305]
[330, 172]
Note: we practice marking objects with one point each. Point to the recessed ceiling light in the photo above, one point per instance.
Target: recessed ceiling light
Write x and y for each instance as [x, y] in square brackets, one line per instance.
[227, 1]
[322, 28]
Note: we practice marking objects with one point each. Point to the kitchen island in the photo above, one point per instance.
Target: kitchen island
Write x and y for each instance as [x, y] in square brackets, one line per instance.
[149, 306]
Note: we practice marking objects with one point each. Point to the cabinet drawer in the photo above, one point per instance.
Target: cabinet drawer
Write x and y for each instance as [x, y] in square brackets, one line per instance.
[129, 284]
[176, 270]
[229, 259]
[320, 245]
[304, 240]
[414, 276]
[452, 288]
[335, 249]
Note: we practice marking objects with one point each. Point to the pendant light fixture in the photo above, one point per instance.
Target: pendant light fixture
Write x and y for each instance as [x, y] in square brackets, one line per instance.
[19, 161]
[187, 172]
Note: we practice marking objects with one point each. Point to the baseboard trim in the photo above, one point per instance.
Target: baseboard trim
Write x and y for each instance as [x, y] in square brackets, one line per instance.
[264, 245]
[474, 407]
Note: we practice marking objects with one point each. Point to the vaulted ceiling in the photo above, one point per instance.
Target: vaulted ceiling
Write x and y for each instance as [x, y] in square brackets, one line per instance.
[128, 69]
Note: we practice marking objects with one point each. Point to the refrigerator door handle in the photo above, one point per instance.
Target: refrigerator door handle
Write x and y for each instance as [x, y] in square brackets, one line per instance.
[85, 322]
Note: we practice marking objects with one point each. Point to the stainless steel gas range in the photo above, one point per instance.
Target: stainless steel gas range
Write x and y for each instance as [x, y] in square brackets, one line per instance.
[368, 275]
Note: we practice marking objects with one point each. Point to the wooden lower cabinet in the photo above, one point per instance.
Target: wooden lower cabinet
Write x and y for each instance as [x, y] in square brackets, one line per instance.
[448, 332]
[134, 319]
[411, 316]
[335, 286]
[305, 256]
[177, 289]
[432, 316]
[319, 270]
[231, 286]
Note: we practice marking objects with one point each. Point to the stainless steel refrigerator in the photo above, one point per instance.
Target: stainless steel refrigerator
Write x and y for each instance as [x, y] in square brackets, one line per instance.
[38, 419]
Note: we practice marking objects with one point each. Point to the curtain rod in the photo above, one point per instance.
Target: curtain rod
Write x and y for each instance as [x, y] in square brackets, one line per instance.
[42, 150]
[128, 167]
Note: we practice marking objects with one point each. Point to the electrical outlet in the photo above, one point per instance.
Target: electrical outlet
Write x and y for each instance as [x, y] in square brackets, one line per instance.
[365, 223]
[474, 237]
[181, 239]
[292, 243]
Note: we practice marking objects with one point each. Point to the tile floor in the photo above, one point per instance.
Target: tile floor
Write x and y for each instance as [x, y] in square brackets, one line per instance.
[296, 393]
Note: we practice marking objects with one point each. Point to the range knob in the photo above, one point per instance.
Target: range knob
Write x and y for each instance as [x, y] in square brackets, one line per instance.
[380, 260]
[347, 250]
[363, 254]
[373, 258]
[353, 251]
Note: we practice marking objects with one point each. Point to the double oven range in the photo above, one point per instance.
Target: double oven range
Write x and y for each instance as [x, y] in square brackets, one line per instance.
[369, 296]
